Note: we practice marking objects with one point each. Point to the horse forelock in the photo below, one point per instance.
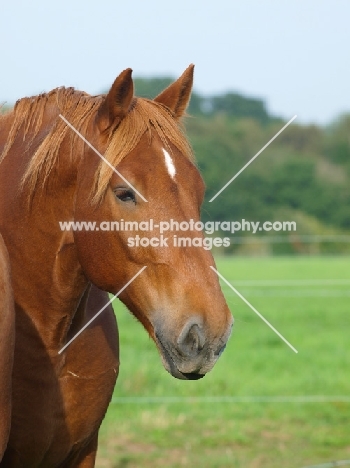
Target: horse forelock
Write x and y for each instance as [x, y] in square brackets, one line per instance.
[145, 116]
[79, 108]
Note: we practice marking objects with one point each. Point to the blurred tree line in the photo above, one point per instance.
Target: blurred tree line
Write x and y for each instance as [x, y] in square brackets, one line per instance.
[303, 175]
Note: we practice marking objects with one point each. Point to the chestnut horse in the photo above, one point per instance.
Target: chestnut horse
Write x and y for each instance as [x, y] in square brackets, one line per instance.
[60, 278]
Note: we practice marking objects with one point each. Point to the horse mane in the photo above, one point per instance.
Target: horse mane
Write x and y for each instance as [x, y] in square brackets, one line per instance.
[79, 108]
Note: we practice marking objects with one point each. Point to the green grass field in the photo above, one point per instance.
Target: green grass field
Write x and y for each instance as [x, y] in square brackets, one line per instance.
[307, 299]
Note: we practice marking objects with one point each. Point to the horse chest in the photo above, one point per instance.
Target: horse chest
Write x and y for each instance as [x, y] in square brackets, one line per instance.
[85, 401]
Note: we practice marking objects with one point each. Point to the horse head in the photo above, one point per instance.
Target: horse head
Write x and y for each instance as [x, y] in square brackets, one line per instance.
[177, 297]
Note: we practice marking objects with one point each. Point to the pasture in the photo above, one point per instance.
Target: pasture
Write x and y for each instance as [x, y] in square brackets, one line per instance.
[262, 406]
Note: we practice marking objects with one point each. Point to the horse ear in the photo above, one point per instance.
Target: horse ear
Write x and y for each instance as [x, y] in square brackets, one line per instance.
[177, 96]
[117, 102]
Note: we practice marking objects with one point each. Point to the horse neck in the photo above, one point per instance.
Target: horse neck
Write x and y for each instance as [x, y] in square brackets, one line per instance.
[47, 278]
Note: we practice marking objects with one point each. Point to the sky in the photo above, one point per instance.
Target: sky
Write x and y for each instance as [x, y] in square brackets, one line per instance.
[292, 54]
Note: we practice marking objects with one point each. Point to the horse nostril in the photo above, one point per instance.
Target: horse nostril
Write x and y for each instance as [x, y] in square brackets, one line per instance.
[191, 340]
[220, 350]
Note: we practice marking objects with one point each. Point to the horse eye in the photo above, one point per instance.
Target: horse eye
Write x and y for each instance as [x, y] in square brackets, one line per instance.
[125, 195]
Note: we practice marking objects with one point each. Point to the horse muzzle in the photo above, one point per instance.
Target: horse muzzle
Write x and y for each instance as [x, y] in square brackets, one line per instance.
[194, 351]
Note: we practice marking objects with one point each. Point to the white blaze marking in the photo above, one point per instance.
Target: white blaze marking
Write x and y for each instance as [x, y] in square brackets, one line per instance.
[169, 163]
